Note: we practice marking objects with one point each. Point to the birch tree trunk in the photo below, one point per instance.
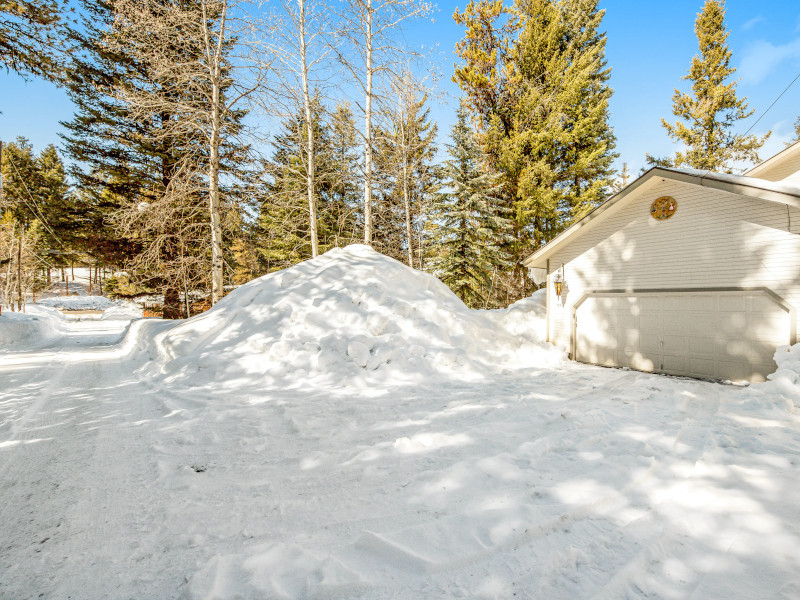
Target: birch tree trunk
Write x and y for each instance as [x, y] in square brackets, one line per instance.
[368, 41]
[407, 203]
[310, 183]
[370, 26]
[214, 63]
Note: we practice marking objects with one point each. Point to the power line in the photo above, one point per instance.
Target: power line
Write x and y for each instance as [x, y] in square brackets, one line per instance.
[35, 208]
[773, 104]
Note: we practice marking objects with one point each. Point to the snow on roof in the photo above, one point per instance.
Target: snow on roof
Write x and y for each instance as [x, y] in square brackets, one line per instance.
[787, 186]
[351, 313]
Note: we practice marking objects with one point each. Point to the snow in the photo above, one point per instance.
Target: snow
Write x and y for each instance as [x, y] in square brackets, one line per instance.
[77, 302]
[347, 429]
[790, 185]
[35, 327]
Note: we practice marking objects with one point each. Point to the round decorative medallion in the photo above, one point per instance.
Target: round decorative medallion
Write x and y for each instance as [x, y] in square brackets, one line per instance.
[663, 208]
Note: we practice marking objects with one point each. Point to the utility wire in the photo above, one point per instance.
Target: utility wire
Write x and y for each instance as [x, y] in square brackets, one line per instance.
[38, 211]
[773, 104]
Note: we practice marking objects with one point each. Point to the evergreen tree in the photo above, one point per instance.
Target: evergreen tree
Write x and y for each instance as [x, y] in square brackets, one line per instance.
[404, 174]
[283, 223]
[64, 225]
[536, 81]
[21, 179]
[340, 223]
[116, 160]
[707, 116]
[623, 180]
[472, 226]
[589, 151]
[22, 210]
[30, 31]
[145, 134]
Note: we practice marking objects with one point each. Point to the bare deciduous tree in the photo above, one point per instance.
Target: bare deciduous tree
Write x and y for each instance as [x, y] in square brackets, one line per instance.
[183, 51]
[414, 145]
[372, 54]
[300, 54]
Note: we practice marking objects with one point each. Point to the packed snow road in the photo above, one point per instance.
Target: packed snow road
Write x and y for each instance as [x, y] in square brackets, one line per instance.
[145, 469]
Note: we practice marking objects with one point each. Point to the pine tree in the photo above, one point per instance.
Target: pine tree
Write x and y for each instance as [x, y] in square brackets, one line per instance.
[30, 32]
[405, 175]
[64, 227]
[707, 116]
[341, 210]
[116, 160]
[589, 152]
[22, 213]
[283, 222]
[472, 226]
[536, 82]
[623, 180]
[158, 133]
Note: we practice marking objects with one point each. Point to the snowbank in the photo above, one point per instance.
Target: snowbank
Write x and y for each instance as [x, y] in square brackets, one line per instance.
[77, 302]
[782, 388]
[526, 318]
[36, 326]
[122, 311]
[350, 314]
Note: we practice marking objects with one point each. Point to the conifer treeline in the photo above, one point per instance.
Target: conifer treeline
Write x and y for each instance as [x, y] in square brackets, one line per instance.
[157, 136]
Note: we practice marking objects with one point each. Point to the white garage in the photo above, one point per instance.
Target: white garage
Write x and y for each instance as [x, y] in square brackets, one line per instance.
[717, 334]
[683, 272]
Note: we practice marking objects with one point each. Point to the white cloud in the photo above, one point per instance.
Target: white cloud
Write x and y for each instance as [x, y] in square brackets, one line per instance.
[753, 22]
[762, 58]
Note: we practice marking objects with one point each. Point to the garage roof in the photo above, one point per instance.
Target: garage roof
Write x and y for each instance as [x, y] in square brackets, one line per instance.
[780, 166]
[762, 189]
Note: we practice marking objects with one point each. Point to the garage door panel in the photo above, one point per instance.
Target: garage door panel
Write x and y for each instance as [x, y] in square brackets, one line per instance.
[736, 370]
[629, 339]
[733, 323]
[700, 324]
[753, 352]
[651, 322]
[767, 328]
[762, 304]
[700, 367]
[626, 321]
[650, 343]
[673, 364]
[672, 303]
[671, 344]
[638, 361]
[702, 346]
[721, 335]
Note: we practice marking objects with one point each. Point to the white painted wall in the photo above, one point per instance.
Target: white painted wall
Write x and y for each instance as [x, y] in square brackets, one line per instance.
[715, 239]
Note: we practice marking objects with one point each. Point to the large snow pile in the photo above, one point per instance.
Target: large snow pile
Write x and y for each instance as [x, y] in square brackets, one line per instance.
[36, 326]
[784, 383]
[77, 302]
[122, 311]
[525, 317]
[349, 314]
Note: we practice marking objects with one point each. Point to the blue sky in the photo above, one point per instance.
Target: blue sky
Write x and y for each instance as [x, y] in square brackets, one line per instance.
[650, 47]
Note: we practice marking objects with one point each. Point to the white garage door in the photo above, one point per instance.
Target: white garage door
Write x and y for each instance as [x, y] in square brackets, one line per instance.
[720, 335]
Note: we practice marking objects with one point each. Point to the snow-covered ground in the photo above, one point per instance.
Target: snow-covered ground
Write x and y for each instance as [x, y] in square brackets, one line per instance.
[347, 429]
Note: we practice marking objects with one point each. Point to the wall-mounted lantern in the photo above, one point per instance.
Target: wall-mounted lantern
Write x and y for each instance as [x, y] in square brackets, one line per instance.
[558, 281]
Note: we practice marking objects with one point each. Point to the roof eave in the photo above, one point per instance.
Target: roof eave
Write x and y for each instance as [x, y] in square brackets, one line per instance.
[706, 179]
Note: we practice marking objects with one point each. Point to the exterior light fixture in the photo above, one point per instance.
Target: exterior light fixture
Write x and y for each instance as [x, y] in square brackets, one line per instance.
[558, 281]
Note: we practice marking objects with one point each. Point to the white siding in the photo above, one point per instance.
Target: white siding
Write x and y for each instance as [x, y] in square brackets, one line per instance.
[714, 240]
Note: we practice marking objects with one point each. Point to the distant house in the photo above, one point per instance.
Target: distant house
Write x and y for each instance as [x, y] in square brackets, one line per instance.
[683, 272]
